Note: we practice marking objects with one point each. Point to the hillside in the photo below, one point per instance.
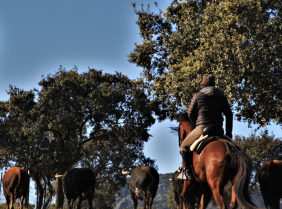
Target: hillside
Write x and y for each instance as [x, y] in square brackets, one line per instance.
[160, 202]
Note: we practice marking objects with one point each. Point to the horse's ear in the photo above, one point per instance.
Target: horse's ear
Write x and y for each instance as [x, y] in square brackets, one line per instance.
[176, 116]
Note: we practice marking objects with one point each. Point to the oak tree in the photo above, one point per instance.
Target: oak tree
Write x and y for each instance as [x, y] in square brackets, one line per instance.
[239, 41]
[90, 118]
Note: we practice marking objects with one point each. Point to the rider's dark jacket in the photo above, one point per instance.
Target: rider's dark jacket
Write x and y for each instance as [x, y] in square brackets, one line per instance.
[207, 107]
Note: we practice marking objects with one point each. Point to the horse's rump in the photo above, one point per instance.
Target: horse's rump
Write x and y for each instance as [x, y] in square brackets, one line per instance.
[214, 157]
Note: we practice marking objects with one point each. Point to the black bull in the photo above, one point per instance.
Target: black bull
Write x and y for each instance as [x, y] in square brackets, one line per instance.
[270, 180]
[193, 196]
[79, 182]
[143, 184]
[15, 185]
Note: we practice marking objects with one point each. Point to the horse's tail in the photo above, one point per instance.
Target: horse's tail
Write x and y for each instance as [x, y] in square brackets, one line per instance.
[242, 164]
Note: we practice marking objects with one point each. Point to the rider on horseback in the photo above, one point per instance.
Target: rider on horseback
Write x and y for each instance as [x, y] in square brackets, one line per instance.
[206, 109]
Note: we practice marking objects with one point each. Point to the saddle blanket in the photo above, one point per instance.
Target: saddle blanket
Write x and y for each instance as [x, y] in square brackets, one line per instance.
[204, 140]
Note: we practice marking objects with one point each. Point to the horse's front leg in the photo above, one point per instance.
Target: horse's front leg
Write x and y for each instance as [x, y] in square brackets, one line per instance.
[206, 196]
[184, 190]
[186, 187]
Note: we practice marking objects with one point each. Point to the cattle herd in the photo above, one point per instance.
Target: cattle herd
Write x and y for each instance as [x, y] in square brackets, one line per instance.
[143, 185]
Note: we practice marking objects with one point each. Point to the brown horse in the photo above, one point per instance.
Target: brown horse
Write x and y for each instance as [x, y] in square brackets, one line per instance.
[214, 167]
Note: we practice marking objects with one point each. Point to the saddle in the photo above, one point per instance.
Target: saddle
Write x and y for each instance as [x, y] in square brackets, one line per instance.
[212, 133]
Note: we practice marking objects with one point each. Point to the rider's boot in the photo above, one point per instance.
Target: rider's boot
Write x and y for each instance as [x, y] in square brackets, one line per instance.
[186, 173]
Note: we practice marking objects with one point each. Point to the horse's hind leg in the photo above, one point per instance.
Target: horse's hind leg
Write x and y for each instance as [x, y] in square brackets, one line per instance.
[206, 196]
[233, 203]
[229, 196]
[217, 190]
[218, 198]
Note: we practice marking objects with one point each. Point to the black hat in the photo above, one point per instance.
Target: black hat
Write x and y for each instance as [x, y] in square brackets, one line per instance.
[208, 80]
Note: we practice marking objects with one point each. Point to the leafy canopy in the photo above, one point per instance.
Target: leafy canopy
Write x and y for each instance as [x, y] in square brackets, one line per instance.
[90, 119]
[239, 41]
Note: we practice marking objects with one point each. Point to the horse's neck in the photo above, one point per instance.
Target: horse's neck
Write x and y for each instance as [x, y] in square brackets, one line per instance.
[185, 129]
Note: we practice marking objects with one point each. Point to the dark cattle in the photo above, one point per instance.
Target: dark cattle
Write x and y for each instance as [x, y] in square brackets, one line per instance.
[143, 184]
[270, 180]
[79, 182]
[15, 185]
[192, 197]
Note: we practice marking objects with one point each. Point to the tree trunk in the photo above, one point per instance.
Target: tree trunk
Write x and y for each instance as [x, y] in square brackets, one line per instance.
[47, 202]
[26, 200]
[40, 190]
[59, 193]
[50, 195]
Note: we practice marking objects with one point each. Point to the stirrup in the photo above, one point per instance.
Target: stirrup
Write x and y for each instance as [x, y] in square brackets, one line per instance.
[184, 176]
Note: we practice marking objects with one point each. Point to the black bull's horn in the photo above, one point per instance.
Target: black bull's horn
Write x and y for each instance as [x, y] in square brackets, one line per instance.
[125, 172]
[178, 170]
[58, 176]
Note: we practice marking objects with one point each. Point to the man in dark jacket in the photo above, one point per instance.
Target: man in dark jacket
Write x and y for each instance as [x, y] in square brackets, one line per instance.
[206, 109]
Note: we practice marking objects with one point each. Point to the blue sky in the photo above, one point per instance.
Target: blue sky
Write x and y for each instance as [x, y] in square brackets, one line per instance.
[36, 37]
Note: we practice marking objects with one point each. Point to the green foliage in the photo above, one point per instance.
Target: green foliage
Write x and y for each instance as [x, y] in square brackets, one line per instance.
[170, 198]
[90, 119]
[239, 41]
[261, 148]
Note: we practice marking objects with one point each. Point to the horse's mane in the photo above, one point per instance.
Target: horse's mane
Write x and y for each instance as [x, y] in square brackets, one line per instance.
[182, 117]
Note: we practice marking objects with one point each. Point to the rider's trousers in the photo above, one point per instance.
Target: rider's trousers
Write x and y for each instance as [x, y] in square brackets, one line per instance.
[190, 138]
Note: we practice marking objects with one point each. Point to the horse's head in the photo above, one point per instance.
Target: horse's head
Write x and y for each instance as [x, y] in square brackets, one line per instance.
[185, 126]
